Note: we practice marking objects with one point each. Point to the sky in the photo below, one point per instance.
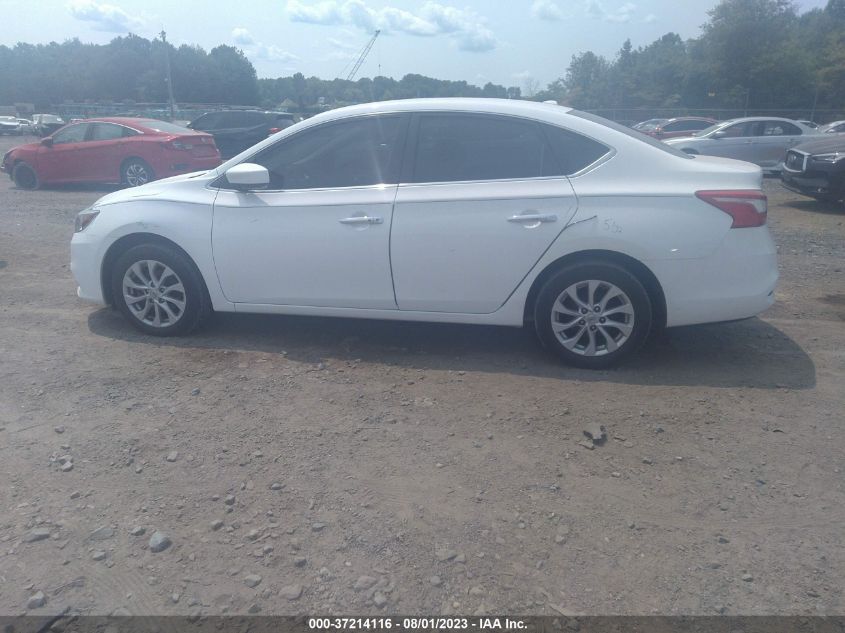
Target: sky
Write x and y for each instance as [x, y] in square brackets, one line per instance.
[526, 43]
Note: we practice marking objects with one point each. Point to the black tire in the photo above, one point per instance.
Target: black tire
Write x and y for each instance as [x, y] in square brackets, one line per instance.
[25, 177]
[135, 172]
[634, 299]
[197, 305]
[831, 198]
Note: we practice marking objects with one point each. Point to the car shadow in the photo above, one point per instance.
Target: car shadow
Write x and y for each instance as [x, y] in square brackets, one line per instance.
[817, 206]
[750, 353]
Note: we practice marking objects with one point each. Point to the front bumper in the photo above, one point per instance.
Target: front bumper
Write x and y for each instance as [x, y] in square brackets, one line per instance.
[85, 265]
[812, 183]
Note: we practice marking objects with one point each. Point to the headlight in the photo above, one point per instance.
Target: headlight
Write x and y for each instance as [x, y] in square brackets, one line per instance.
[84, 218]
[829, 158]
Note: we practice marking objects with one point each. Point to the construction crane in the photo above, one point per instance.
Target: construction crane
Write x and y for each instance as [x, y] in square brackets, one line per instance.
[364, 52]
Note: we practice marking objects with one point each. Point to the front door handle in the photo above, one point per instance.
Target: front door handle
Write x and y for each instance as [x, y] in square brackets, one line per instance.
[534, 217]
[362, 219]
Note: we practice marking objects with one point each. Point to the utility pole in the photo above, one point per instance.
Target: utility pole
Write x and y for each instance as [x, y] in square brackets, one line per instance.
[169, 78]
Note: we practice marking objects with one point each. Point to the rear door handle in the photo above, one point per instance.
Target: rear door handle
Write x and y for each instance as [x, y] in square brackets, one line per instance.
[534, 217]
[362, 219]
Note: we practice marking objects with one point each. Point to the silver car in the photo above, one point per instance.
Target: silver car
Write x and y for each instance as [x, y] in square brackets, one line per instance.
[837, 127]
[760, 140]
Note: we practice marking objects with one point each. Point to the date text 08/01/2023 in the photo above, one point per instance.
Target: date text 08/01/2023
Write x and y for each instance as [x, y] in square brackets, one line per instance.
[415, 623]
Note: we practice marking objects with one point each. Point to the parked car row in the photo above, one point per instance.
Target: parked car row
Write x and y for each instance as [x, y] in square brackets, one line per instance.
[809, 158]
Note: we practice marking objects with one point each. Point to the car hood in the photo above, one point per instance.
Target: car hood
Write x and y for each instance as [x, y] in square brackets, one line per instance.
[824, 145]
[155, 189]
[27, 147]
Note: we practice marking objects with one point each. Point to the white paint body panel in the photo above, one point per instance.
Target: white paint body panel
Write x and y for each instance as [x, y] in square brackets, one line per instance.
[455, 248]
[290, 247]
[448, 250]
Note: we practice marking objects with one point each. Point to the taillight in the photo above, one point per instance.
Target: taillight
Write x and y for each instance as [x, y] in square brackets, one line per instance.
[180, 145]
[273, 130]
[748, 208]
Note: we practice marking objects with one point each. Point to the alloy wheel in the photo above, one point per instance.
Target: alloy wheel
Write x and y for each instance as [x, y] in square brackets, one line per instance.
[592, 318]
[154, 293]
[136, 175]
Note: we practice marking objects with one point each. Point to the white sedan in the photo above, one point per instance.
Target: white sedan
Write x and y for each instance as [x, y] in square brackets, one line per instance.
[451, 210]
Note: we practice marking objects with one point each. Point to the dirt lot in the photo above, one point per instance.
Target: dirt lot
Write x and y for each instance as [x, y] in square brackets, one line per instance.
[366, 467]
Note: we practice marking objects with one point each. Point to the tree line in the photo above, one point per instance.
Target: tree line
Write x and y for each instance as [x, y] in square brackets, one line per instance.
[756, 54]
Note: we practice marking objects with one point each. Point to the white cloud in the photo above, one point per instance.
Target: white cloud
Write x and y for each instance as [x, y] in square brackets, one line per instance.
[104, 17]
[546, 10]
[650, 18]
[464, 26]
[622, 14]
[242, 36]
[272, 53]
[258, 50]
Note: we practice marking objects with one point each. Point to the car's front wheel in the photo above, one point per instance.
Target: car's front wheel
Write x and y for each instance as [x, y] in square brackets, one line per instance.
[135, 172]
[593, 314]
[25, 176]
[159, 290]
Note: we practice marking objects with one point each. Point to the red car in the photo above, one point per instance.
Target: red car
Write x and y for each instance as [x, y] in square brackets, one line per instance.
[680, 126]
[111, 150]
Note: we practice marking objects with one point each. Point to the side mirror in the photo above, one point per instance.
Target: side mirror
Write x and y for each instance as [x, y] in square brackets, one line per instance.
[248, 177]
[719, 134]
[47, 141]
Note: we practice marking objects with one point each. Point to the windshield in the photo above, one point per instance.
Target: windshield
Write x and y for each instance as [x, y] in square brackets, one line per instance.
[51, 118]
[630, 133]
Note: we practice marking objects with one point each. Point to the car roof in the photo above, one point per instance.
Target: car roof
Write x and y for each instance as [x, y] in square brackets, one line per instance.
[751, 119]
[514, 107]
[691, 118]
[120, 120]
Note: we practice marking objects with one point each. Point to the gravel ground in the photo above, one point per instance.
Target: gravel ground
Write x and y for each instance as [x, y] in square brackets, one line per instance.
[290, 465]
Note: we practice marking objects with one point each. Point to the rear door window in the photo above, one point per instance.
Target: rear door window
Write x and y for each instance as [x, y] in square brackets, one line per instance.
[106, 132]
[778, 128]
[467, 147]
[572, 152]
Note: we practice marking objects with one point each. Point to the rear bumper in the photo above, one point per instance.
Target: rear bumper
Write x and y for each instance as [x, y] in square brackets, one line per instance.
[736, 282]
[176, 166]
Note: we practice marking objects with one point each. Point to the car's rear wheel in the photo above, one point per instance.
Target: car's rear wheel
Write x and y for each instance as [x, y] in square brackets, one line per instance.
[135, 172]
[593, 314]
[25, 176]
[159, 290]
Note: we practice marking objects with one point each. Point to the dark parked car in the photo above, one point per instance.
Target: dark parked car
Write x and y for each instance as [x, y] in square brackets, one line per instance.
[678, 127]
[236, 130]
[816, 169]
[46, 124]
[131, 151]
